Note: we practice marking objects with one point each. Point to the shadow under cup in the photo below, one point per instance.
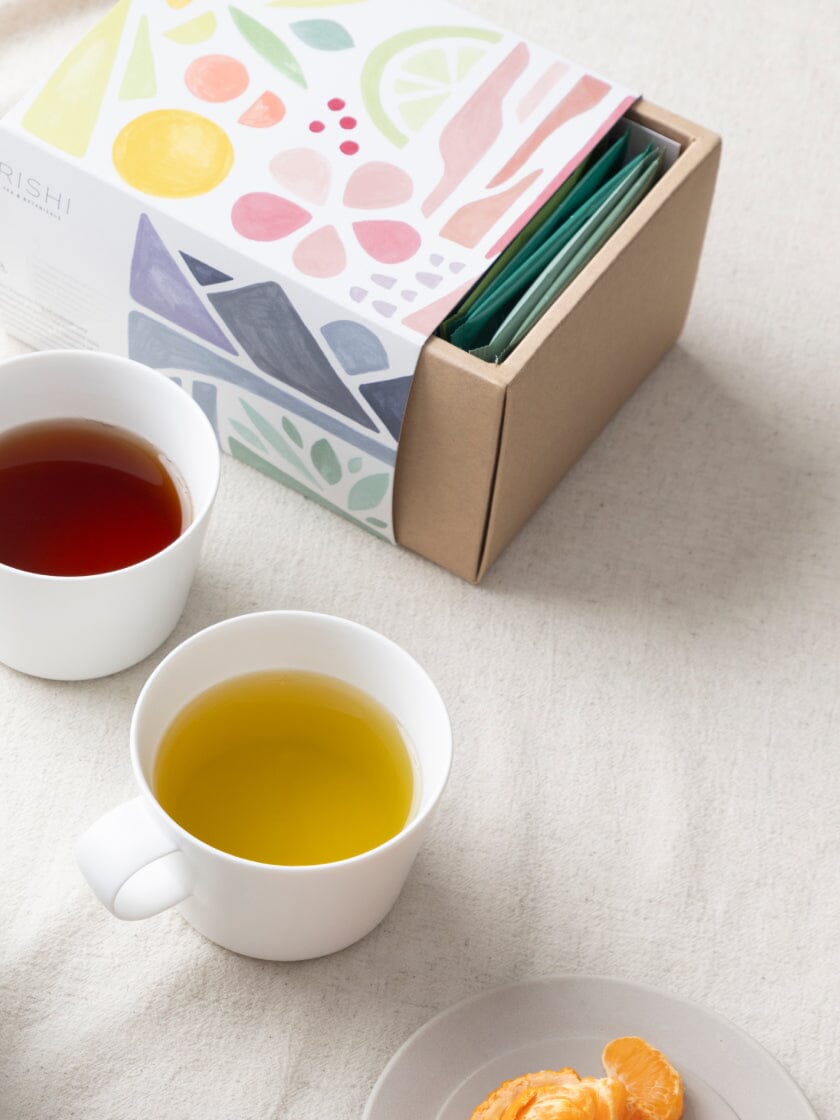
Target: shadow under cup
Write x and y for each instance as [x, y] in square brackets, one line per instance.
[273, 911]
[78, 627]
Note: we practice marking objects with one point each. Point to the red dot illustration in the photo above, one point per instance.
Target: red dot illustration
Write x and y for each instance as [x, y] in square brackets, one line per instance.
[317, 126]
[335, 103]
[349, 147]
[348, 122]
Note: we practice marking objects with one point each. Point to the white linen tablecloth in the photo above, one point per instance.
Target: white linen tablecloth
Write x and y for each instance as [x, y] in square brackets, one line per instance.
[644, 691]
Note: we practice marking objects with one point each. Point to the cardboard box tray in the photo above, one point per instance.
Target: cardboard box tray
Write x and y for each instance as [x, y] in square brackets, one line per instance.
[483, 445]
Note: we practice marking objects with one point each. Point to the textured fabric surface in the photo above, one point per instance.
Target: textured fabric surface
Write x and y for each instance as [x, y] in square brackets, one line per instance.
[644, 691]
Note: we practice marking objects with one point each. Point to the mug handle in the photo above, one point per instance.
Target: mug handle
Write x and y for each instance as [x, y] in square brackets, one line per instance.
[132, 866]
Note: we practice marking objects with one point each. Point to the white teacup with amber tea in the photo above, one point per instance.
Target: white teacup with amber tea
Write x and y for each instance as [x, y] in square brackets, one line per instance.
[288, 767]
[108, 473]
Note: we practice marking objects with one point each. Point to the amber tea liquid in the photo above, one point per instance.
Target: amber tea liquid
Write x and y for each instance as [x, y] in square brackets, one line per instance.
[78, 497]
[286, 767]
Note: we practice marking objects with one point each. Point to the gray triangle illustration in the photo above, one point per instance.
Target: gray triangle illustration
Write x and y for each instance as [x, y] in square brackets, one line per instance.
[264, 322]
[204, 273]
[388, 400]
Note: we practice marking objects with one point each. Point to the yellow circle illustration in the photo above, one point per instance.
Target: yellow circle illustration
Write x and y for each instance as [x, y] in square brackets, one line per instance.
[172, 153]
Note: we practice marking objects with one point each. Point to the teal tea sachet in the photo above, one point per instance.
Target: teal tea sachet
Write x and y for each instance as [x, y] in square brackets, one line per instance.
[553, 249]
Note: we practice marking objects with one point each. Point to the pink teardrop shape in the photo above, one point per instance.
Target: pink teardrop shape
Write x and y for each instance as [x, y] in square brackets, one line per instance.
[388, 242]
[304, 172]
[376, 185]
[266, 111]
[320, 253]
[262, 216]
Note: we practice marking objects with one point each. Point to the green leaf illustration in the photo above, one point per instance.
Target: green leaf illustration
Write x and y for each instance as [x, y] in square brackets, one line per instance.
[266, 43]
[291, 431]
[326, 461]
[354, 465]
[273, 437]
[322, 34]
[250, 458]
[246, 433]
[368, 492]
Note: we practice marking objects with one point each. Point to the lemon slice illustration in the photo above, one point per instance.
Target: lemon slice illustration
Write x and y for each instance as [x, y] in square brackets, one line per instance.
[406, 79]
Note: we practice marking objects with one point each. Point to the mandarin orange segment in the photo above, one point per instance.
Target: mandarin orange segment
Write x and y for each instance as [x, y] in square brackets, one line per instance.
[610, 1097]
[496, 1106]
[654, 1088]
[589, 1099]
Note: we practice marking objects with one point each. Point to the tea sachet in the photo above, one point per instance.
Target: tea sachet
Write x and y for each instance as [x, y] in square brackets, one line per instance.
[580, 186]
[551, 251]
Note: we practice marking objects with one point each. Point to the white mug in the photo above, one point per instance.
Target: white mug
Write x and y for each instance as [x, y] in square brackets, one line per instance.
[77, 627]
[139, 861]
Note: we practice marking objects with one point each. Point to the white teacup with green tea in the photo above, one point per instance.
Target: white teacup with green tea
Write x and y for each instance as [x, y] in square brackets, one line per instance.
[288, 765]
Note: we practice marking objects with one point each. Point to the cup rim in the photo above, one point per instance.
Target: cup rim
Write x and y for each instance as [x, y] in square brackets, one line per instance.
[199, 516]
[148, 793]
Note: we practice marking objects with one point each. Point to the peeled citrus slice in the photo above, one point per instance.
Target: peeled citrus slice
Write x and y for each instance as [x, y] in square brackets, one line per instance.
[497, 1105]
[654, 1088]
[589, 1099]
[406, 79]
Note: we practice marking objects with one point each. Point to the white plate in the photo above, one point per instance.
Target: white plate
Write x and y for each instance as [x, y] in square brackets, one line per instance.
[451, 1064]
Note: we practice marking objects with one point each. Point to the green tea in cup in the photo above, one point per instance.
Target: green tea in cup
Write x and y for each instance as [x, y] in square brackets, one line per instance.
[285, 767]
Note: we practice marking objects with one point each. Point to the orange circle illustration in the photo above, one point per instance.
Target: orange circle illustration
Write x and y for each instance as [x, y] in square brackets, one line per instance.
[216, 77]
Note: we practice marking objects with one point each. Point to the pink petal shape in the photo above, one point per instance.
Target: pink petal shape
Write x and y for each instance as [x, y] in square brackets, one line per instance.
[304, 172]
[266, 111]
[376, 185]
[321, 253]
[357, 294]
[267, 217]
[388, 242]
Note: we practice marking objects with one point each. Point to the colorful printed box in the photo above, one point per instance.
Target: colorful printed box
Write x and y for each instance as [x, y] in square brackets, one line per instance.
[276, 203]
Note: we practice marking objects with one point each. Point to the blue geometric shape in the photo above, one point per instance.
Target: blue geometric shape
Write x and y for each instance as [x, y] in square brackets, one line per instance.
[204, 273]
[388, 400]
[205, 396]
[358, 349]
[159, 285]
[264, 321]
[160, 347]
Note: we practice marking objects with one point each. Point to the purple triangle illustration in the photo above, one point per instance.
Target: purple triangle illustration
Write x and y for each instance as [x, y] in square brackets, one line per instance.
[205, 274]
[262, 319]
[159, 285]
[388, 400]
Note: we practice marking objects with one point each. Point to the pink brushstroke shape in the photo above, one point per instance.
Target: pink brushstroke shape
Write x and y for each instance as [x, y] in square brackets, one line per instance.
[426, 320]
[583, 96]
[541, 89]
[468, 225]
[471, 132]
[548, 191]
